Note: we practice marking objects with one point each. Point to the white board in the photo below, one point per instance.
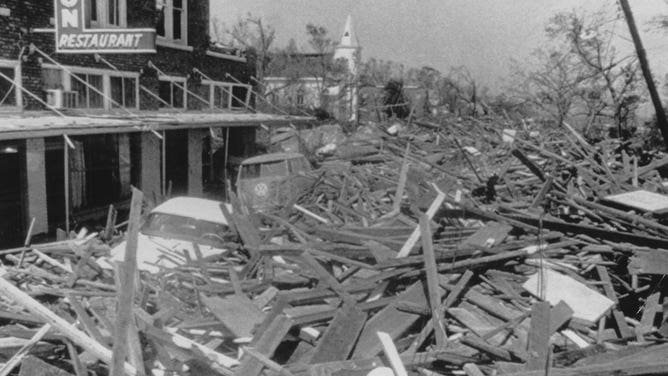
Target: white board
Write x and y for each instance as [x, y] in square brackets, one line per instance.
[586, 303]
[642, 200]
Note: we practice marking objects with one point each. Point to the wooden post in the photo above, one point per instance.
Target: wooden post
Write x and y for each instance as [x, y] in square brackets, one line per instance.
[66, 169]
[432, 282]
[127, 291]
[163, 163]
[661, 120]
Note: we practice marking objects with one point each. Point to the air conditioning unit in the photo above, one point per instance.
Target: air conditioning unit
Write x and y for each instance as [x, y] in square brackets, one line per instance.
[58, 98]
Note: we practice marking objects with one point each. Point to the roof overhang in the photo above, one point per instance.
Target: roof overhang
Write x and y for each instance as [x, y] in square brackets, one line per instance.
[39, 125]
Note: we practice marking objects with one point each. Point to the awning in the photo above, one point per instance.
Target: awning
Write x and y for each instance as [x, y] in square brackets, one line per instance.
[45, 124]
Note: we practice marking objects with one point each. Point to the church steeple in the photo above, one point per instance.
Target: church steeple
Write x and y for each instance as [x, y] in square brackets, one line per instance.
[349, 48]
[349, 38]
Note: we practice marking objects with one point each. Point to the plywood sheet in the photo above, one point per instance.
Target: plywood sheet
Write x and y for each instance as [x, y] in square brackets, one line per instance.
[643, 200]
[587, 304]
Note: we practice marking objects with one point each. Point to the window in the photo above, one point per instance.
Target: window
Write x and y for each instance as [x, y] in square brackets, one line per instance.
[7, 88]
[87, 97]
[226, 95]
[172, 91]
[221, 96]
[106, 13]
[240, 97]
[173, 23]
[107, 86]
[10, 80]
[123, 91]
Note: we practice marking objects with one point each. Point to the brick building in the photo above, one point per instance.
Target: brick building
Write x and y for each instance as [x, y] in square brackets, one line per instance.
[78, 130]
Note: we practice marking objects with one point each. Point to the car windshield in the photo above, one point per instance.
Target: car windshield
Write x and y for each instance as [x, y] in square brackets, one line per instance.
[185, 228]
[264, 170]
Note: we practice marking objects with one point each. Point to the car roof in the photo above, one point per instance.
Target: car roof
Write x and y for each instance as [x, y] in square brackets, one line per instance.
[193, 207]
[271, 158]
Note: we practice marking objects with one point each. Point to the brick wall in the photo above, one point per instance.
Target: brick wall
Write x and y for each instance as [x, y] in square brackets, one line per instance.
[16, 32]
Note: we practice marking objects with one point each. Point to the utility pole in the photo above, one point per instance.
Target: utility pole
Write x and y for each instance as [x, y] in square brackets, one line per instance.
[661, 120]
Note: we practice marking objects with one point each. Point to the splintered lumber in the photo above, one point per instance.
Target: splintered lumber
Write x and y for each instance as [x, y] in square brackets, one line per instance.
[127, 287]
[23, 352]
[392, 354]
[264, 343]
[492, 234]
[390, 320]
[653, 261]
[267, 362]
[47, 316]
[472, 370]
[586, 303]
[622, 326]
[649, 312]
[33, 366]
[539, 337]
[412, 240]
[341, 335]
[237, 313]
[432, 282]
[559, 315]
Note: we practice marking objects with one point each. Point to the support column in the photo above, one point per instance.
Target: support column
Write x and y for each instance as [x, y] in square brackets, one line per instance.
[195, 139]
[36, 180]
[151, 166]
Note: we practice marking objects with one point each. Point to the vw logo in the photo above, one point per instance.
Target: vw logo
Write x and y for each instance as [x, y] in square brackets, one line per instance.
[261, 189]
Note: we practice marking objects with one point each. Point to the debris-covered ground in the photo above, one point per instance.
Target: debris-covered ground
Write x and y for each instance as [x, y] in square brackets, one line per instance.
[457, 247]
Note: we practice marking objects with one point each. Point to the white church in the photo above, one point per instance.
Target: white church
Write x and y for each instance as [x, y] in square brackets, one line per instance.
[309, 92]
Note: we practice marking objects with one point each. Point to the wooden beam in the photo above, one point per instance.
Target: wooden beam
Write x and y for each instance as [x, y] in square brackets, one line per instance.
[432, 282]
[127, 290]
[264, 343]
[539, 337]
[340, 337]
[412, 240]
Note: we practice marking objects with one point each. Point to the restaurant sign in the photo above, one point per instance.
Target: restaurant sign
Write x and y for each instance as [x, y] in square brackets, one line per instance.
[72, 36]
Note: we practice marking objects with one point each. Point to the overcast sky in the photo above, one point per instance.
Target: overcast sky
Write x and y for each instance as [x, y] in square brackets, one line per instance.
[481, 34]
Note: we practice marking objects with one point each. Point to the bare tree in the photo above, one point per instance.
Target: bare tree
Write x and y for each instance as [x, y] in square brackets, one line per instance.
[326, 70]
[590, 39]
[253, 35]
[555, 84]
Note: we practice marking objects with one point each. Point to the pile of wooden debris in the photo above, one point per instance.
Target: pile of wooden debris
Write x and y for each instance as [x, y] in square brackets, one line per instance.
[441, 249]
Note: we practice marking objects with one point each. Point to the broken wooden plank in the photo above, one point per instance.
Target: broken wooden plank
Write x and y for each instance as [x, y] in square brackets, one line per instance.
[432, 282]
[488, 236]
[622, 326]
[340, 337]
[33, 366]
[127, 287]
[237, 313]
[265, 343]
[654, 261]
[389, 320]
[392, 354]
[539, 337]
[412, 240]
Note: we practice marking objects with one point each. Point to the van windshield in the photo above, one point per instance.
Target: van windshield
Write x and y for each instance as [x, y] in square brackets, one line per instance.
[264, 170]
